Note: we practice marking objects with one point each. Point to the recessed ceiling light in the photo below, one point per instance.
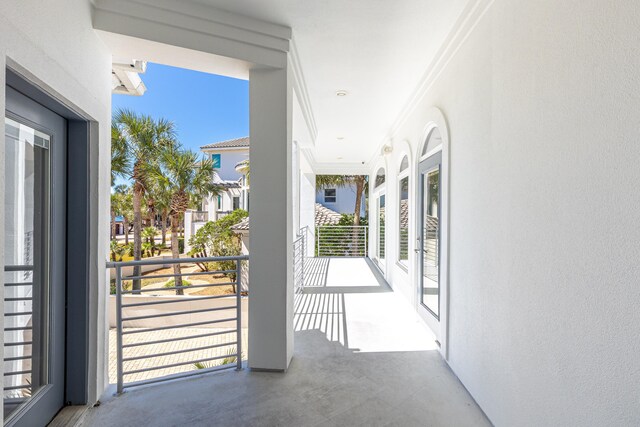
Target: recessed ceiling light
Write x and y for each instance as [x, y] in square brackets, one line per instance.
[340, 137]
[339, 158]
[341, 93]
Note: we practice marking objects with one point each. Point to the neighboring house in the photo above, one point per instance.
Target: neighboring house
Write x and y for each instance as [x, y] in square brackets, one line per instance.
[227, 157]
[340, 199]
[119, 225]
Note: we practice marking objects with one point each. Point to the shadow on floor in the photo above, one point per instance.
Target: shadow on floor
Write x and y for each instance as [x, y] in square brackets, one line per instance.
[362, 358]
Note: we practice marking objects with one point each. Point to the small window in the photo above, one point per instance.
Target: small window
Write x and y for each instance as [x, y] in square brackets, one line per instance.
[219, 205]
[434, 139]
[330, 195]
[216, 160]
[236, 203]
[380, 178]
[404, 165]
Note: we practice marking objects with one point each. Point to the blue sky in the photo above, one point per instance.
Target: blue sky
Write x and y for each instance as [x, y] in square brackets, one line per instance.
[204, 107]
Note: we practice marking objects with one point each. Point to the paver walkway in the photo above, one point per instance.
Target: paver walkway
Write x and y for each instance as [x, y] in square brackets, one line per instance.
[183, 344]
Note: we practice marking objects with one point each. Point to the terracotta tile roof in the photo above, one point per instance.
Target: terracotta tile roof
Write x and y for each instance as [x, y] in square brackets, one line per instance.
[324, 216]
[231, 143]
[242, 225]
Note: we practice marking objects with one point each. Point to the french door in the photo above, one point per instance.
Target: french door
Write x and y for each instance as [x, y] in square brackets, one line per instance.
[34, 261]
[429, 239]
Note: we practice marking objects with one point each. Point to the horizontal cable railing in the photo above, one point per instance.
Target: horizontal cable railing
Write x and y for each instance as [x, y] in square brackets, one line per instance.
[299, 254]
[18, 336]
[154, 342]
[342, 241]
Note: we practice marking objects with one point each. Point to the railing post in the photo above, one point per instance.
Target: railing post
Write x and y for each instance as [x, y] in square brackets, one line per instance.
[366, 237]
[239, 314]
[318, 241]
[119, 328]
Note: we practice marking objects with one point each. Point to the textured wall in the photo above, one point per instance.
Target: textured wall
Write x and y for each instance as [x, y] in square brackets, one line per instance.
[55, 43]
[543, 106]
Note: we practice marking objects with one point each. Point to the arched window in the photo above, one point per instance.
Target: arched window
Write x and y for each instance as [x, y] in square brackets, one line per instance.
[403, 212]
[404, 164]
[434, 139]
[380, 178]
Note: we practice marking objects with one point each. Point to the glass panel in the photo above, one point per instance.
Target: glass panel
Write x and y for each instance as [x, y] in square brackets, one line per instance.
[26, 286]
[381, 227]
[431, 239]
[404, 164]
[434, 139]
[380, 178]
[330, 195]
[403, 253]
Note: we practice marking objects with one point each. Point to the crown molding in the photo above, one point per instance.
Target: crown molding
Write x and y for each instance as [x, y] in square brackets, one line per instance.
[463, 27]
[195, 26]
[302, 94]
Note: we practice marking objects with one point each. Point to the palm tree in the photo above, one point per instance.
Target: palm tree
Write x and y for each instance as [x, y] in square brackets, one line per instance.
[341, 181]
[144, 138]
[183, 174]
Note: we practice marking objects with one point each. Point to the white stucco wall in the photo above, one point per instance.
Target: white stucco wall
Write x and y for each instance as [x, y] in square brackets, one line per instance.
[543, 106]
[345, 200]
[228, 161]
[55, 44]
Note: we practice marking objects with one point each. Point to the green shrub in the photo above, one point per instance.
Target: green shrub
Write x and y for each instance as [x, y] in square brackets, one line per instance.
[171, 283]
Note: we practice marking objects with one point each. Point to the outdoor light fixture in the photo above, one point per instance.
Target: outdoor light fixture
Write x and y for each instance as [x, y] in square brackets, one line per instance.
[387, 149]
[341, 93]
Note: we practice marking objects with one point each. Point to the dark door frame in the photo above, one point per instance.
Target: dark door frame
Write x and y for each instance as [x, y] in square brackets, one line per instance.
[81, 245]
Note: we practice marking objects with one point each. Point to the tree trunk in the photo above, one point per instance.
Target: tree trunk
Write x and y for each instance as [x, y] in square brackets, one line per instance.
[359, 190]
[175, 252]
[164, 229]
[113, 224]
[125, 222]
[137, 232]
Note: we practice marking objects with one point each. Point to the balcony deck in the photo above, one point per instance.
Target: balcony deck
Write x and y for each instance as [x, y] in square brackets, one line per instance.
[362, 357]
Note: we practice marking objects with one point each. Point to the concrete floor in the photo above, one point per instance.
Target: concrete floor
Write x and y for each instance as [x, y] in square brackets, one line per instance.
[362, 357]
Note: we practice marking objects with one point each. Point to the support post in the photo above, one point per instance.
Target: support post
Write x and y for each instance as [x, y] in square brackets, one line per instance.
[271, 258]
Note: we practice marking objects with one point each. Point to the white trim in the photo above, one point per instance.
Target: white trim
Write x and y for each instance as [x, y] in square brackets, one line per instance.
[301, 91]
[197, 27]
[435, 118]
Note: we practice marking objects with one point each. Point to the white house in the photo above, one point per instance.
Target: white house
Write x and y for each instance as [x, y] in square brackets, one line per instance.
[508, 128]
[227, 157]
[340, 199]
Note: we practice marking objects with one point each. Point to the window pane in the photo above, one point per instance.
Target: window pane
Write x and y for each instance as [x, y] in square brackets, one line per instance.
[433, 140]
[431, 238]
[330, 195]
[26, 255]
[403, 253]
[380, 178]
[404, 164]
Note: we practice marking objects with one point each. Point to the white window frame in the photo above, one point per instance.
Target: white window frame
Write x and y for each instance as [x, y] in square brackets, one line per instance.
[435, 118]
[335, 197]
[376, 193]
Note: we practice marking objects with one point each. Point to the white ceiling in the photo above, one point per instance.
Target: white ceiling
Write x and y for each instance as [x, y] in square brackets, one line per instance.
[376, 50]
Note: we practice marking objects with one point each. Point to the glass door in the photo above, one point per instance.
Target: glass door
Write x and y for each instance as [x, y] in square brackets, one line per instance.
[429, 239]
[34, 262]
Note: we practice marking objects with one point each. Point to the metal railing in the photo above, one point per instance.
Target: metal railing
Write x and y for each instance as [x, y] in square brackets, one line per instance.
[171, 313]
[342, 241]
[18, 335]
[299, 254]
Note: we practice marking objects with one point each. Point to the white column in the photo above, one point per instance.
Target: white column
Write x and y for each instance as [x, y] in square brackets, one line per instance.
[270, 252]
[308, 209]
